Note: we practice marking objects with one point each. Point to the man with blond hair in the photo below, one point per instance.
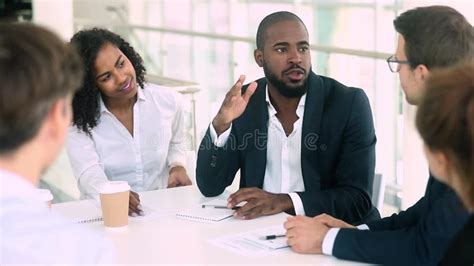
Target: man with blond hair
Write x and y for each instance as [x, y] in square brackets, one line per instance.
[38, 75]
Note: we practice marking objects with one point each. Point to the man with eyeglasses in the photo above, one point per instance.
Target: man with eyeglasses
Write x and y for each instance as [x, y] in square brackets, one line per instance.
[394, 63]
[429, 37]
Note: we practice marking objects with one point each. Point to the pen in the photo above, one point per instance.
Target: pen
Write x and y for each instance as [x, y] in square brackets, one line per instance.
[219, 207]
[271, 237]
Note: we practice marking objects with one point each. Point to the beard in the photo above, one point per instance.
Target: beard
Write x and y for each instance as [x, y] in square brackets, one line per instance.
[282, 87]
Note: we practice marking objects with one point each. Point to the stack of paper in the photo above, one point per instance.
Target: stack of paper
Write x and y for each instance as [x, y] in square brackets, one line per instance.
[254, 242]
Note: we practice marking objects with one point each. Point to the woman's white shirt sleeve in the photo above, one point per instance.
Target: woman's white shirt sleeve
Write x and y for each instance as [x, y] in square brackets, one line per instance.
[85, 162]
[177, 148]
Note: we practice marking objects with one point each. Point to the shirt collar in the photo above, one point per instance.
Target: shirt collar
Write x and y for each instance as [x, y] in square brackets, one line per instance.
[272, 110]
[15, 185]
[103, 108]
[141, 94]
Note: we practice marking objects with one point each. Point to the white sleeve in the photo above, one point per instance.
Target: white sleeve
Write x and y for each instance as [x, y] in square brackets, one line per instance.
[177, 147]
[222, 139]
[85, 162]
[297, 203]
[328, 241]
[363, 227]
[330, 238]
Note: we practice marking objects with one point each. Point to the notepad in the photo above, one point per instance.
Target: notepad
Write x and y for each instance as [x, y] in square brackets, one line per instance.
[207, 215]
[89, 220]
[87, 211]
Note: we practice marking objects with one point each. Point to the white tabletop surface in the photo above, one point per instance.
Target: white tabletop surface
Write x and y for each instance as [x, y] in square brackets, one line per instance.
[167, 239]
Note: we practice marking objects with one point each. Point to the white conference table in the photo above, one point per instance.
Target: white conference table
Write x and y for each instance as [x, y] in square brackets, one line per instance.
[169, 240]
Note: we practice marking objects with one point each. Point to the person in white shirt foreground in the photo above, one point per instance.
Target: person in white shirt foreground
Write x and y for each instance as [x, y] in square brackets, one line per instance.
[123, 128]
[429, 38]
[38, 75]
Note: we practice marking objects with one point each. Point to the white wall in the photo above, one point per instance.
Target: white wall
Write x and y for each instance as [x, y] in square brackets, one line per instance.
[415, 170]
[55, 15]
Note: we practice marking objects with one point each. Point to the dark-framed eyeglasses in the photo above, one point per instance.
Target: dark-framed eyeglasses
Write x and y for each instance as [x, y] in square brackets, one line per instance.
[394, 63]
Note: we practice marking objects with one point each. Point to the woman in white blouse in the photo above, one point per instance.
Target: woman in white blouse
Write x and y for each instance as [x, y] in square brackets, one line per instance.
[123, 128]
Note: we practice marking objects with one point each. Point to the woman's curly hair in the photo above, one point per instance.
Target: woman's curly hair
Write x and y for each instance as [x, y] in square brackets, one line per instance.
[85, 104]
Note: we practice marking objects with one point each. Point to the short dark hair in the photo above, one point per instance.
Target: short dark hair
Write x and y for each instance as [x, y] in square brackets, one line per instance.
[269, 21]
[36, 68]
[445, 120]
[86, 101]
[435, 36]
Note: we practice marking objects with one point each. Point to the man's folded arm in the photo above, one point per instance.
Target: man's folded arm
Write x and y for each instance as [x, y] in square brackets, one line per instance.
[423, 243]
[400, 220]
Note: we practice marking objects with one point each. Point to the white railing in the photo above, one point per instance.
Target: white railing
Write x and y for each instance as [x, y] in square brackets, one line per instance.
[78, 23]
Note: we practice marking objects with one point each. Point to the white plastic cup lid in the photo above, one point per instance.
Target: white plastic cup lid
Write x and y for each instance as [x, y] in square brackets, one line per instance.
[44, 195]
[114, 187]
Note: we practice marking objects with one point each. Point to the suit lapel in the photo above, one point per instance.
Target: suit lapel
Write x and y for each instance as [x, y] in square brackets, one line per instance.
[258, 128]
[313, 106]
[313, 112]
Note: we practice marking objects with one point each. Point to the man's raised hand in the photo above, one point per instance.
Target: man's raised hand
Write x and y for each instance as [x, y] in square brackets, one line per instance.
[233, 106]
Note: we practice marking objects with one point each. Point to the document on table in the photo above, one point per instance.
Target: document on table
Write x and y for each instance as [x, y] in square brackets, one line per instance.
[253, 243]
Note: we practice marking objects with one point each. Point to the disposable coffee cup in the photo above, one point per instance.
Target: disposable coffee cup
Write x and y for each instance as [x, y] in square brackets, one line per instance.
[114, 197]
[45, 196]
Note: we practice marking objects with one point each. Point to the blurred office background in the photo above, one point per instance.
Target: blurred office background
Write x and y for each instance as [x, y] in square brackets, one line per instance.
[200, 47]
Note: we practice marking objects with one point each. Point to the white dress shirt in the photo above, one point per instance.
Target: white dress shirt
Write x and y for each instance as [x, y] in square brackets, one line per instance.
[283, 170]
[31, 233]
[144, 159]
[330, 238]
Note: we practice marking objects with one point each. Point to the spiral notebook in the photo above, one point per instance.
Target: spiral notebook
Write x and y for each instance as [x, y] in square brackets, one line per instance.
[207, 212]
[88, 220]
[89, 211]
[83, 212]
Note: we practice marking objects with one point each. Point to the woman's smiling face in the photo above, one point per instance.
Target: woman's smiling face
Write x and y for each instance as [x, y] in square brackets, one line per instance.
[115, 76]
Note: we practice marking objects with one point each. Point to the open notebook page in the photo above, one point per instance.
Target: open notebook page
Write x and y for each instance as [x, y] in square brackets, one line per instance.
[206, 212]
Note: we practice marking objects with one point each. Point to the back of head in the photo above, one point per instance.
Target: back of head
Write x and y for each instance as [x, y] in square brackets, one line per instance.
[269, 21]
[435, 36]
[445, 120]
[36, 68]
[88, 43]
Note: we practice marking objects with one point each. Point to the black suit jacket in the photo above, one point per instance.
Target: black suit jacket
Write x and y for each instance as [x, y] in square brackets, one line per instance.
[417, 236]
[461, 250]
[337, 151]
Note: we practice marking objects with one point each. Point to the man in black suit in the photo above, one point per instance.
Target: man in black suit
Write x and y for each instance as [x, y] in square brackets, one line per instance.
[429, 37]
[304, 143]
